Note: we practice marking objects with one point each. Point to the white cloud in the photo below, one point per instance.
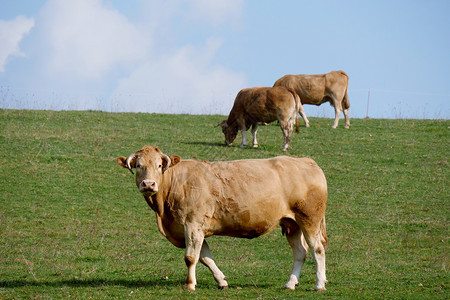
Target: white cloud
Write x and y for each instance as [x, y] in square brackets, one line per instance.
[212, 12]
[184, 79]
[184, 82]
[11, 33]
[87, 39]
[217, 11]
[92, 57]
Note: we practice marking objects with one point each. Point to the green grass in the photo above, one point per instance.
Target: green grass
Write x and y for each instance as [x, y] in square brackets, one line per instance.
[72, 222]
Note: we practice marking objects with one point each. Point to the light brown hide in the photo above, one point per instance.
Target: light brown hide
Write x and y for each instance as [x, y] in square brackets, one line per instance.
[262, 105]
[331, 87]
[243, 198]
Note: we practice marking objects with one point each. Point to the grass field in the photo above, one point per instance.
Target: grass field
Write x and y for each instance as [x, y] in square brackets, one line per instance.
[73, 224]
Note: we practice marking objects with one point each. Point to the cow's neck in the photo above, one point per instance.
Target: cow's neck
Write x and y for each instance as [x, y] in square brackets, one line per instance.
[156, 202]
[153, 203]
[159, 198]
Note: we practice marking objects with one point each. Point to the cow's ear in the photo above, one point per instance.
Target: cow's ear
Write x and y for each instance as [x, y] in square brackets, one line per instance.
[223, 124]
[174, 159]
[123, 162]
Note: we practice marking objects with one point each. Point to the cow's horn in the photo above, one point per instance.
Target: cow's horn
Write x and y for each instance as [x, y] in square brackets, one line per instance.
[129, 158]
[169, 161]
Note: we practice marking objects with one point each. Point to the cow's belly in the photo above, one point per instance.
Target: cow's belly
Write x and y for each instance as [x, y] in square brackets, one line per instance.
[248, 231]
[313, 98]
[247, 221]
[267, 117]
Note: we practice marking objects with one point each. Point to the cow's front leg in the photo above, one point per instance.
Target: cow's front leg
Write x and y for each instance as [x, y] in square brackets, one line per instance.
[207, 259]
[244, 142]
[194, 240]
[254, 131]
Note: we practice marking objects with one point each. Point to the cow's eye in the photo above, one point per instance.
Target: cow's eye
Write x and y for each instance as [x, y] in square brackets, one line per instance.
[160, 166]
[138, 166]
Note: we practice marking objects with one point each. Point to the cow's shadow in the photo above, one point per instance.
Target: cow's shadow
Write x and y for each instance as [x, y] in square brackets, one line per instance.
[157, 282]
[90, 283]
[209, 144]
[223, 145]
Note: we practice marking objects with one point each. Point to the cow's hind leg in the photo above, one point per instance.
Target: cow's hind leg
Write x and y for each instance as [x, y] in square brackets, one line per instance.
[315, 239]
[207, 259]
[347, 118]
[287, 128]
[194, 240]
[337, 113]
[299, 249]
[302, 113]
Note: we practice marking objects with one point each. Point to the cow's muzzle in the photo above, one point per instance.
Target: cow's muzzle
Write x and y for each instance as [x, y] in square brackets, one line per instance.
[148, 186]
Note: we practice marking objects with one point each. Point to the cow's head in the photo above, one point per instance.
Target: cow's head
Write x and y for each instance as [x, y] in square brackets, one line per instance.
[230, 132]
[150, 164]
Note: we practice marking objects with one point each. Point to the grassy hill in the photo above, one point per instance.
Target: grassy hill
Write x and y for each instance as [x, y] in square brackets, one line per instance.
[72, 222]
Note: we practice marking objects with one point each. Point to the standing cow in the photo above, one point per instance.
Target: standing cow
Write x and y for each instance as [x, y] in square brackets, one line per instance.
[262, 104]
[317, 89]
[245, 198]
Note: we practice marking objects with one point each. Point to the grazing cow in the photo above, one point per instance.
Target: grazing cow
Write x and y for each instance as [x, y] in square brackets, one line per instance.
[317, 89]
[262, 104]
[245, 198]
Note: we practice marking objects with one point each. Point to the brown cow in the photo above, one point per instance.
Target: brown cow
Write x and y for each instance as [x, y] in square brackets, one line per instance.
[262, 104]
[245, 198]
[317, 89]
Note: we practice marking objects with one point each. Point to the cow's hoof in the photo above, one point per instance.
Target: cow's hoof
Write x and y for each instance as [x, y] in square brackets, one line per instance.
[242, 146]
[289, 287]
[347, 127]
[323, 289]
[307, 125]
[291, 284]
[190, 287]
[223, 287]
[255, 146]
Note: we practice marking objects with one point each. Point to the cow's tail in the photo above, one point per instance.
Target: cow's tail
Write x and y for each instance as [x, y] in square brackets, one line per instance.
[297, 108]
[323, 236]
[346, 102]
[323, 231]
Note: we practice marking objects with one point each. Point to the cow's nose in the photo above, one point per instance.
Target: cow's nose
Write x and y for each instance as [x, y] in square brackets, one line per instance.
[148, 185]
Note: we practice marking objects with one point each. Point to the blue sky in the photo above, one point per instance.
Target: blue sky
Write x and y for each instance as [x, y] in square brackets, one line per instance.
[193, 56]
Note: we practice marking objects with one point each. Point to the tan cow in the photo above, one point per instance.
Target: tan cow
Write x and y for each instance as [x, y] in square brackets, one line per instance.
[317, 89]
[262, 104]
[245, 198]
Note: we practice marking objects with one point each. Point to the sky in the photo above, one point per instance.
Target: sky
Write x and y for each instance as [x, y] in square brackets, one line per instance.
[193, 56]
